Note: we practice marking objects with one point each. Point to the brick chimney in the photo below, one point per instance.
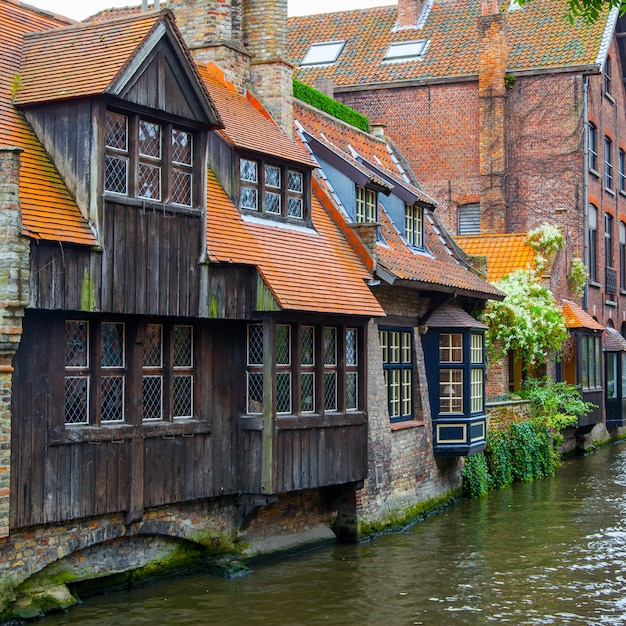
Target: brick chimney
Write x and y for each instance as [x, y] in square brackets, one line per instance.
[409, 12]
[213, 31]
[265, 37]
[492, 60]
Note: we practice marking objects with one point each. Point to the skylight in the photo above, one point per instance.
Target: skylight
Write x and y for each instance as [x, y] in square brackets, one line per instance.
[324, 52]
[406, 50]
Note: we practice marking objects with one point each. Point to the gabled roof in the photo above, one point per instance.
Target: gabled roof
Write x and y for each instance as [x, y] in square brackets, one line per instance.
[451, 315]
[613, 341]
[49, 212]
[505, 253]
[247, 126]
[105, 58]
[576, 317]
[439, 269]
[539, 36]
[436, 270]
[369, 154]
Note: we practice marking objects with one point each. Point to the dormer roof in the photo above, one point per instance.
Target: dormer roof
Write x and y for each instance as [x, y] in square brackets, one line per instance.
[139, 59]
[49, 212]
[540, 38]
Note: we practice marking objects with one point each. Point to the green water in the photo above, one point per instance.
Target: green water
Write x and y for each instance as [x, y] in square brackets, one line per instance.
[549, 552]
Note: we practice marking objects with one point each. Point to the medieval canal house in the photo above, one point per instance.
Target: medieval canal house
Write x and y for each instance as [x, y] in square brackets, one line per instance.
[197, 322]
[512, 117]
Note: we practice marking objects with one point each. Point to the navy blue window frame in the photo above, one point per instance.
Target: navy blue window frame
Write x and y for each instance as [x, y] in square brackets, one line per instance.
[401, 367]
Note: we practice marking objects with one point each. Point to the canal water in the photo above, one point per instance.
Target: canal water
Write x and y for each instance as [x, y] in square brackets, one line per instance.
[548, 552]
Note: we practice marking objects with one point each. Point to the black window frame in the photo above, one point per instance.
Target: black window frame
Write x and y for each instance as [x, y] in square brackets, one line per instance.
[622, 170]
[607, 76]
[165, 162]
[622, 256]
[282, 191]
[592, 242]
[592, 146]
[608, 240]
[608, 163]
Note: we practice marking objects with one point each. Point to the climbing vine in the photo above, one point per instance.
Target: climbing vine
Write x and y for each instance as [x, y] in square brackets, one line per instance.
[528, 320]
[546, 241]
[577, 276]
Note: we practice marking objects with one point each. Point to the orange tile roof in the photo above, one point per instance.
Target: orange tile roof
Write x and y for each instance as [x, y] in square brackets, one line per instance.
[505, 253]
[306, 269]
[352, 143]
[438, 269]
[246, 125]
[48, 209]
[575, 317]
[81, 60]
[539, 36]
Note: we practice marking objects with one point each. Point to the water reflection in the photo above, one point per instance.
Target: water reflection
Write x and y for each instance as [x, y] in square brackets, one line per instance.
[549, 552]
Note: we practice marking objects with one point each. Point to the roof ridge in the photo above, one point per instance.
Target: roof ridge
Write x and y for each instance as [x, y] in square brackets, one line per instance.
[33, 9]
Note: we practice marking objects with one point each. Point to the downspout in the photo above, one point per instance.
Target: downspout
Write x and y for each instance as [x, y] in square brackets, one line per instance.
[585, 190]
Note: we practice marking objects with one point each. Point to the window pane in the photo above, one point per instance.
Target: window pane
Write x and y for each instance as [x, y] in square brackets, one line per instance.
[476, 348]
[153, 346]
[149, 182]
[116, 131]
[149, 139]
[249, 198]
[351, 391]
[112, 344]
[330, 345]
[307, 392]
[406, 348]
[152, 397]
[283, 344]
[272, 176]
[330, 391]
[182, 147]
[307, 338]
[283, 392]
[294, 182]
[611, 372]
[384, 347]
[451, 391]
[394, 348]
[394, 393]
[351, 346]
[112, 399]
[183, 352]
[255, 344]
[181, 188]
[272, 202]
[598, 357]
[183, 396]
[248, 170]
[451, 348]
[294, 207]
[476, 397]
[116, 174]
[255, 393]
[407, 382]
[76, 344]
[623, 358]
[76, 399]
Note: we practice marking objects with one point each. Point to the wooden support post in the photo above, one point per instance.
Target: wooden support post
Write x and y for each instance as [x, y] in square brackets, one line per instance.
[269, 405]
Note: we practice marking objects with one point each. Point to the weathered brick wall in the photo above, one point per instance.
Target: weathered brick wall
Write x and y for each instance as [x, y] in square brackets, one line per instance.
[14, 271]
[500, 415]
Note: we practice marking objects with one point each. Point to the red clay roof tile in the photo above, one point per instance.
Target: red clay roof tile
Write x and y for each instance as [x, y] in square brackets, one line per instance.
[48, 210]
[576, 317]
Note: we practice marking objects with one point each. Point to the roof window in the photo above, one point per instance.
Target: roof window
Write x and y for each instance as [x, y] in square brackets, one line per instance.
[406, 50]
[322, 53]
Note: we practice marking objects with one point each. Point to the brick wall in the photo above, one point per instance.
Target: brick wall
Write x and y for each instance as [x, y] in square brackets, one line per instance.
[14, 271]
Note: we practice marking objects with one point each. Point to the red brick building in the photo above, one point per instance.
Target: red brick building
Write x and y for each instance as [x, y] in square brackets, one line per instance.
[511, 117]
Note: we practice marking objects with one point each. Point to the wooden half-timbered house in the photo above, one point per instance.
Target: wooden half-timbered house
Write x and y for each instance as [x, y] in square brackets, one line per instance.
[184, 323]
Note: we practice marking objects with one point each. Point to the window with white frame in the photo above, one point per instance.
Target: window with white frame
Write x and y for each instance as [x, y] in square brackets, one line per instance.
[365, 205]
[147, 159]
[477, 373]
[414, 225]
[318, 380]
[272, 189]
[323, 53]
[396, 346]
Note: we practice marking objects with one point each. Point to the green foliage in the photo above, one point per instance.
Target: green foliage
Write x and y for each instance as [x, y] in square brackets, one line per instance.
[531, 451]
[577, 276]
[499, 460]
[332, 107]
[509, 81]
[546, 241]
[588, 11]
[475, 476]
[557, 405]
[528, 320]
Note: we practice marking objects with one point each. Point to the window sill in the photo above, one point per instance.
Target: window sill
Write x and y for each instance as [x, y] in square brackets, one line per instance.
[609, 97]
[593, 283]
[609, 191]
[610, 303]
[83, 433]
[151, 206]
[405, 425]
[594, 172]
[622, 192]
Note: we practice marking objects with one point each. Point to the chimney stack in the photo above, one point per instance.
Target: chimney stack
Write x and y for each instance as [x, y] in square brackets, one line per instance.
[492, 61]
[409, 12]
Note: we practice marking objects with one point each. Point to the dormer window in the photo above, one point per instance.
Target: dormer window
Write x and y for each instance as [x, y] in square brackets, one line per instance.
[414, 225]
[272, 189]
[148, 160]
[365, 205]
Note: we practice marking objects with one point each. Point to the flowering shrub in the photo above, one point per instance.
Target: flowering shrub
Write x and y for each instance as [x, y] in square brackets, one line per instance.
[577, 276]
[528, 320]
[546, 240]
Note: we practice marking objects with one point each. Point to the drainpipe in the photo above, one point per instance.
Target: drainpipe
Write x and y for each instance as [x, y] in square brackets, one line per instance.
[585, 190]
